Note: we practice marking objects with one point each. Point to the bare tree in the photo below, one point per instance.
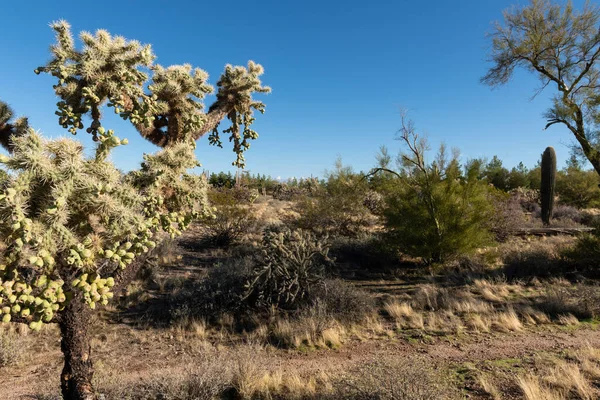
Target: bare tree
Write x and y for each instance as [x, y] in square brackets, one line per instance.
[561, 46]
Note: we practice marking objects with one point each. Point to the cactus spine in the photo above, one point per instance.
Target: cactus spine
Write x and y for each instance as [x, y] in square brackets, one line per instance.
[548, 183]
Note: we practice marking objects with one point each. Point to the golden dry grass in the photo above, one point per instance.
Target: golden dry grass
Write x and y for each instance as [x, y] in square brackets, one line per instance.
[507, 321]
[489, 387]
[533, 389]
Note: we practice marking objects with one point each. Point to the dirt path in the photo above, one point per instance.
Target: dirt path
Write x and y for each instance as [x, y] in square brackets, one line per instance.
[135, 355]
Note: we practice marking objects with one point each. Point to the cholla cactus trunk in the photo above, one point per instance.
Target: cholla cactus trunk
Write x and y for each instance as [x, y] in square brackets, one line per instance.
[548, 183]
[78, 369]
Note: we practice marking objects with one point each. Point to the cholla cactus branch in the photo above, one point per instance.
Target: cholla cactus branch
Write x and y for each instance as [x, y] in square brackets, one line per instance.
[7, 129]
[113, 71]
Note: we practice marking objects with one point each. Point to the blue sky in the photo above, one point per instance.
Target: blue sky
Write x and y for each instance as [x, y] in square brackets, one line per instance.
[340, 71]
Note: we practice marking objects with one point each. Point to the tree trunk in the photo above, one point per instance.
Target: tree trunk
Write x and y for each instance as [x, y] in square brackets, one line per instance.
[77, 373]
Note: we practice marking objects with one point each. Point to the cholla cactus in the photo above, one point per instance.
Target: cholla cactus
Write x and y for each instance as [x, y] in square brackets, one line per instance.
[111, 70]
[74, 229]
[18, 127]
[292, 263]
[71, 224]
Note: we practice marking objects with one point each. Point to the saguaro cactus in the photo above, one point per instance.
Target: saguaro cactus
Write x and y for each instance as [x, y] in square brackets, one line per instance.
[548, 183]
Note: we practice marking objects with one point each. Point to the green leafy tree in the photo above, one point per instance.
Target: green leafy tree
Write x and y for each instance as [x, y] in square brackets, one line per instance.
[496, 174]
[578, 188]
[435, 212]
[561, 46]
[518, 177]
[74, 229]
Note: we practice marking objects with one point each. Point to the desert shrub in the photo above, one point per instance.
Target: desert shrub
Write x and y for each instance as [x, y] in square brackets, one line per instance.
[209, 378]
[10, 349]
[165, 253]
[231, 219]
[342, 301]
[363, 254]
[438, 216]
[585, 254]
[529, 199]
[243, 194]
[291, 265]
[508, 216]
[287, 273]
[563, 216]
[565, 212]
[400, 379]
[564, 301]
[374, 201]
[578, 188]
[338, 207]
[285, 192]
[220, 292]
[589, 299]
[435, 211]
[539, 259]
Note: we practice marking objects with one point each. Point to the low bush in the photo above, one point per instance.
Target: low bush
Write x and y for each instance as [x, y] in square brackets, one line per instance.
[538, 259]
[339, 207]
[393, 380]
[508, 216]
[343, 302]
[231, 221]
[363, 255]
[285, 192]
[220, 292]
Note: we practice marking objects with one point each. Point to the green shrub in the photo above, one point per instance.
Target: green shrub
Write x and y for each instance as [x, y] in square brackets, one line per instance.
[436, 212]
[437, 215]
[231, 218]
[578, 188]
[339, 207]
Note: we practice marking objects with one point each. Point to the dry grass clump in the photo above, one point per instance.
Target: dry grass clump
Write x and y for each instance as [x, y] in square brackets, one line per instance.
[304, 333]
[488, 387]
[532, 316]
[10, 348]
[534, 389]
[568, 378]
[568, 320]
[250, 381]
[565, 379]
[589, 360]
[491, 291]
[479, 323]
[539, 258]
[393, 380]
[404, 315]
[507, 321]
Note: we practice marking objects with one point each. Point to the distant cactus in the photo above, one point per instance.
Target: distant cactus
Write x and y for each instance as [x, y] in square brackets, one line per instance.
[548, 183]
